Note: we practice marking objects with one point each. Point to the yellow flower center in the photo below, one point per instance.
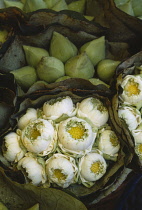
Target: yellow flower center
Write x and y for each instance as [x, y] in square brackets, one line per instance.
[3, 36]
[34, 133]
[140, 148]
[76, 132]
[132, 88]
[95, 167]
[59, 175]
[114, 140]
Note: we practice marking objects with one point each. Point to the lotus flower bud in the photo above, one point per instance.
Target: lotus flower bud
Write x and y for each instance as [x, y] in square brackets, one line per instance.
[108, 142]
[132, 89]
[33, 168]
[62, 78]
[13, 149]
[96, 81]
[93, 110]
[39, 85]
[50, 3]
[65, 50]
[17, 4]
[34, 54]
[119, 2]
[56, 108]
[34, 5]
[31, 114]
[92, 167]
[79, 66]
[25, 76]
[60, 5]
[50, 69]
[23, 1]
[3, 207]
[90, 18]
[95, 50]
[137, 8]
[106, 69]
[127, 8]
[130, 115]
[2, 5]
[77, 6]
[61, 170]
[35, 207]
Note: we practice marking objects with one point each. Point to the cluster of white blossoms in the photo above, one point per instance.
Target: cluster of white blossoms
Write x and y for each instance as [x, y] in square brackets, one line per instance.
[130, 108]
[62, 143]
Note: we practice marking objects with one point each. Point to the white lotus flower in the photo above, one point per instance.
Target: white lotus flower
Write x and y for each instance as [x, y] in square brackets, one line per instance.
[31, 114]
[55, 108]
[108, 142]
[130, 115]
[92, 167]
[93, 110]
[13, 150]
[75, 136]
[61, 170]
[39, 137]
[137, 134]
[33, 168]
[132, 89]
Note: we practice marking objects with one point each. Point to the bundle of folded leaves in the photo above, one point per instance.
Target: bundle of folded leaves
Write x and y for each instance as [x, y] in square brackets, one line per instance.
[127, 102]
[62, 140]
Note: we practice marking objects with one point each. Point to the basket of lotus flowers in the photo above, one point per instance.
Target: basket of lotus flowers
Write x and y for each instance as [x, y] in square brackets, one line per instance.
[64, 142]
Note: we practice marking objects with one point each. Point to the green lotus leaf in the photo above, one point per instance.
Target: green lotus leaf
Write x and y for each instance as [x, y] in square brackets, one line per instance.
[71, 19]
[18, 196]
[117, 50]
[80, 87]
[7, 104]
[13, 58]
